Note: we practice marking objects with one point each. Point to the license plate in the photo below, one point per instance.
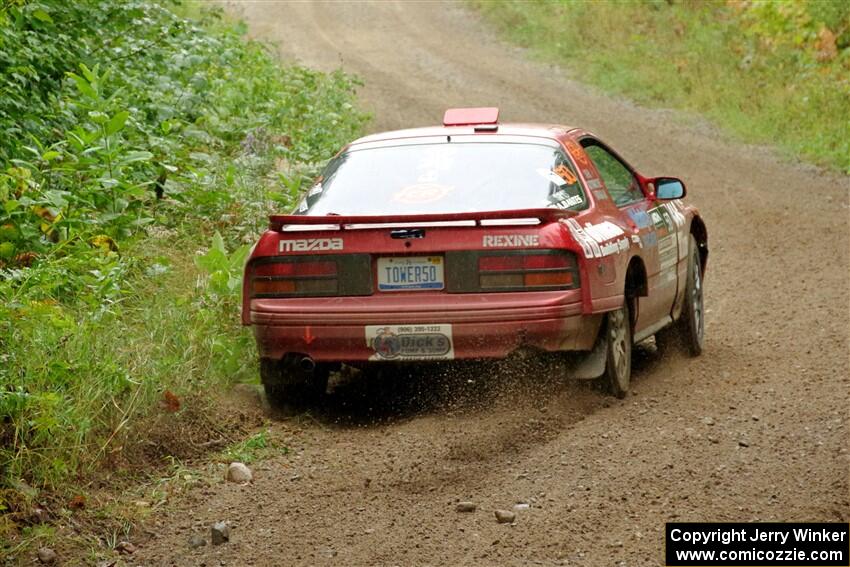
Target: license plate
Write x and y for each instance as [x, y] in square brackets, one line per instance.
[410, 273]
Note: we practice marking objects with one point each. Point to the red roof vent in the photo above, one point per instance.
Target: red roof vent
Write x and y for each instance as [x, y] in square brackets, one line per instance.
[471, 116]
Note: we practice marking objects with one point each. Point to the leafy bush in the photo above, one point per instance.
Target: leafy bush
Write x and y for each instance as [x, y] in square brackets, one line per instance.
[140, 152]
[90, 148]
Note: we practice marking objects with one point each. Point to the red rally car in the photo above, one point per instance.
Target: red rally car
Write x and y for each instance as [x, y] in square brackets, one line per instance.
[471, 241]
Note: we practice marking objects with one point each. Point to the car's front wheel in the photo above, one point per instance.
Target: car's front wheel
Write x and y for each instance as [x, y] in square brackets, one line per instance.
[291, 388]
[688, 332]
[618, 362]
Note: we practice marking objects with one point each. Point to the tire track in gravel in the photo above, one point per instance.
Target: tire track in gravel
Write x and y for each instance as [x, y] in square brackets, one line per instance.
[755, 429]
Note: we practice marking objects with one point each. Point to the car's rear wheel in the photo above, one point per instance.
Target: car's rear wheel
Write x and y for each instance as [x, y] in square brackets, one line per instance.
[618, 362]
[292, 388]
[688, 332]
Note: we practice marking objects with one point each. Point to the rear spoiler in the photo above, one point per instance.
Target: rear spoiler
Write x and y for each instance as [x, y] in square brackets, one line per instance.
[277, 222]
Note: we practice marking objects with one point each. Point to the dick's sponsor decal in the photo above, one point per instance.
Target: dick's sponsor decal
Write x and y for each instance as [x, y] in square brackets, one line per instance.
[410, 342]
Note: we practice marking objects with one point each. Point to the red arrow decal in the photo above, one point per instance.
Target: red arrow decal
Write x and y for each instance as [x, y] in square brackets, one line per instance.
[308, 336]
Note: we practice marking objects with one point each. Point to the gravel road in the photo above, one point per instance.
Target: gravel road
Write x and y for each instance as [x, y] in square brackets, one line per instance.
[754, 430]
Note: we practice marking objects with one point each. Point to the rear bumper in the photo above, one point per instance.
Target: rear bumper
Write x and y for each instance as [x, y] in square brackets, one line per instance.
[476, 325]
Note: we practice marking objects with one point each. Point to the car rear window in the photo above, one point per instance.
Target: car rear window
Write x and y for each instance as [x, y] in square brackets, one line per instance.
[447, 177]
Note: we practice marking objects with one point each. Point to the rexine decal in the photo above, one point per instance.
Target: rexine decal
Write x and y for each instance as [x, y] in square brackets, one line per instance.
[310, 244]
[510, 240]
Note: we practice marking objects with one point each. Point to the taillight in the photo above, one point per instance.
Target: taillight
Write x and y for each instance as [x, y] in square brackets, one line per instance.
[514, 270]
[310, 276]
[288, 269]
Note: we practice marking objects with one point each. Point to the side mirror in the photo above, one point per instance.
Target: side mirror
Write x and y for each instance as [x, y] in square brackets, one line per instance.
[667, 188]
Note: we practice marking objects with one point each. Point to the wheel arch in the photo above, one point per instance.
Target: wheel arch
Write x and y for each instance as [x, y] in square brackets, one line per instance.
[636, 285]
[700, 234]
[636, 280]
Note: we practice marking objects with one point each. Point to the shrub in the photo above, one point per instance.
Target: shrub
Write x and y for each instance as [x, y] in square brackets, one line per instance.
[132, 137]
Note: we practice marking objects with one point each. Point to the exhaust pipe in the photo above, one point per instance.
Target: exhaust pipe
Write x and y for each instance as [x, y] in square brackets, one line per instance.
[300, 362]
[307, 364]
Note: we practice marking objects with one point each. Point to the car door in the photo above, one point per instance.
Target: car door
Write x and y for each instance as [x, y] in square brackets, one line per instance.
[651, 227]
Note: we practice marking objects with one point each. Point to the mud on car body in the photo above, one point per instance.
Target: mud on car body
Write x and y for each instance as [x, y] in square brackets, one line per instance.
[471, 241]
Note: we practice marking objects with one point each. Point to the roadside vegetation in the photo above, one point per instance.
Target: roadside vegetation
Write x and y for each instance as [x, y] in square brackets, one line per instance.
[771, 71]
[140, 152]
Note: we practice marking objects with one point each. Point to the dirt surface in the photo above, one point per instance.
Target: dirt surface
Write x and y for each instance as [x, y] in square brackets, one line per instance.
[753, 430]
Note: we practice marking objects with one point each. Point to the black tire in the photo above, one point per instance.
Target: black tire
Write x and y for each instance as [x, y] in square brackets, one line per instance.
[618, 361]
[688, 332]
[290, 388]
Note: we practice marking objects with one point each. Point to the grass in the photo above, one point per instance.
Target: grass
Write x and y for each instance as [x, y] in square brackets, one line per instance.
[253, 448]
[89, 378]
[769, 72]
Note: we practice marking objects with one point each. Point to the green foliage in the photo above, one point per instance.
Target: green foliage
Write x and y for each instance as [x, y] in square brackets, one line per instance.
[87, 146]
[77, 381]
[225, 270]
[105, 301]
[771, 71]
[250, 449]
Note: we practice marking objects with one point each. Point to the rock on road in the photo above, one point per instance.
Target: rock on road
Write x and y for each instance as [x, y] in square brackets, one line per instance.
[753, 430]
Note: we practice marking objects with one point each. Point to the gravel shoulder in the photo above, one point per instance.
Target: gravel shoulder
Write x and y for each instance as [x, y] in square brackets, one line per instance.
[753, 430]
